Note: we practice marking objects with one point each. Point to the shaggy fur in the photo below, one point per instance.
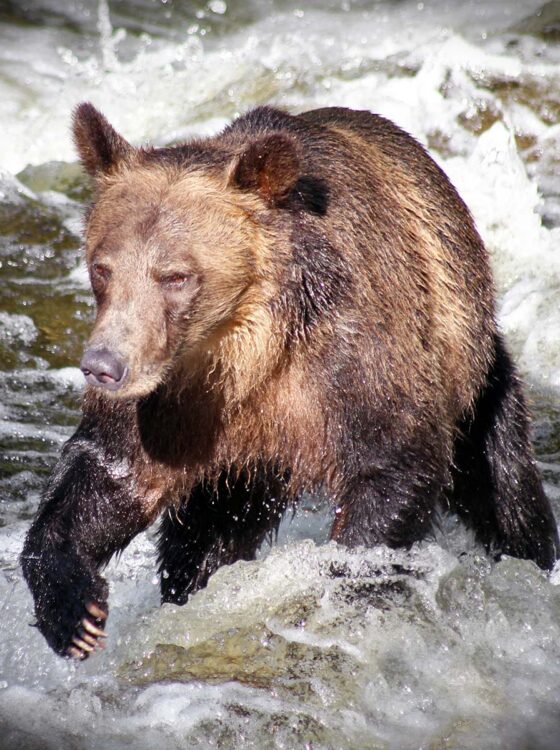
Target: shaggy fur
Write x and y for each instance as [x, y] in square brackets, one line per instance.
[302, 303]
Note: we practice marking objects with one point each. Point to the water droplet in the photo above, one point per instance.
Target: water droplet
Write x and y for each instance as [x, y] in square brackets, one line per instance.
[217, 6]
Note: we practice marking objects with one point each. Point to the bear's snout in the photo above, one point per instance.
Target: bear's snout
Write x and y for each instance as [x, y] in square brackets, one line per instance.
[104, 368]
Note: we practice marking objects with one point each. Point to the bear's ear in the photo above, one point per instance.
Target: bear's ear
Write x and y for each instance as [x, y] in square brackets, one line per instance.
[269, 166]
[99, 145]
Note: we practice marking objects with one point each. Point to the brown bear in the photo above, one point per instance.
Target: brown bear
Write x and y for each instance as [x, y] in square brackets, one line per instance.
[301, 302]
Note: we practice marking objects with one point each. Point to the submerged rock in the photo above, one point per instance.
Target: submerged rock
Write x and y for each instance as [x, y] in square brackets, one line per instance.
[329, 632]
[63, 177]
[294, 621]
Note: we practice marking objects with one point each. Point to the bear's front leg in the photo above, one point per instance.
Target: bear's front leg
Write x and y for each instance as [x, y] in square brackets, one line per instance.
[217, 525]
[88, 513]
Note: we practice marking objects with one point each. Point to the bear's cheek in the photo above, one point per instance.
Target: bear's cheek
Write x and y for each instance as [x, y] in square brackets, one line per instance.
[212, 299]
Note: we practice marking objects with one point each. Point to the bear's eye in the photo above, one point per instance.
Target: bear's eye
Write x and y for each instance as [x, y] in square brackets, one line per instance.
[174, 280]
[101, 271]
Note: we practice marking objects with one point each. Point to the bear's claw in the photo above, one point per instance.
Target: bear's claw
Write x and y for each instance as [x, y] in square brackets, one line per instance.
[95, 611]
[87, 635]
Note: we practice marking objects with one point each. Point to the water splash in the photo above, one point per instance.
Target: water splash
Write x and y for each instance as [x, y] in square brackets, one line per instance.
[107, 38]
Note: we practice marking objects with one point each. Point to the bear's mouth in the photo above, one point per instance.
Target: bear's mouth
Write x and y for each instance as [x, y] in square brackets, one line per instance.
[104, 380]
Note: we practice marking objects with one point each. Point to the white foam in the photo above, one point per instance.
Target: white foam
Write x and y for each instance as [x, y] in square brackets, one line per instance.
[65, 376]
[504, 201]
[17, 327]
[164, 87]
[465, 650]
[68, 376]
[29, 431]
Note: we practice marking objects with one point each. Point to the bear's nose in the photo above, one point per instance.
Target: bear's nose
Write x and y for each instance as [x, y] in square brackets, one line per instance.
[103, 368]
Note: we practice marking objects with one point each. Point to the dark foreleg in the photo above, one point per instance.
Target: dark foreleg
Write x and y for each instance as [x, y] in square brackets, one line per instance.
[88, 513]
[217, 525]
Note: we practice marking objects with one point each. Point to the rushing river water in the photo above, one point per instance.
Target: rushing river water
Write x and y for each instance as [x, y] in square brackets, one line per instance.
[312, 646]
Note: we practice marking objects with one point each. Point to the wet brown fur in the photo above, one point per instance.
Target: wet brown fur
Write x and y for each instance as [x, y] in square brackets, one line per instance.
[419, 291]
[303, 303]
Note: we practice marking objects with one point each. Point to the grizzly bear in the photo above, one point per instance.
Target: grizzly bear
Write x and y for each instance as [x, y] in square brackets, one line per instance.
[299, 303]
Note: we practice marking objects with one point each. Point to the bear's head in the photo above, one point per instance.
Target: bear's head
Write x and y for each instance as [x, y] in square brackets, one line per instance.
[178, 246]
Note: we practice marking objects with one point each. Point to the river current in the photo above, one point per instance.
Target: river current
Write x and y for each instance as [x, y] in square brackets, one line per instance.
[311, 646]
